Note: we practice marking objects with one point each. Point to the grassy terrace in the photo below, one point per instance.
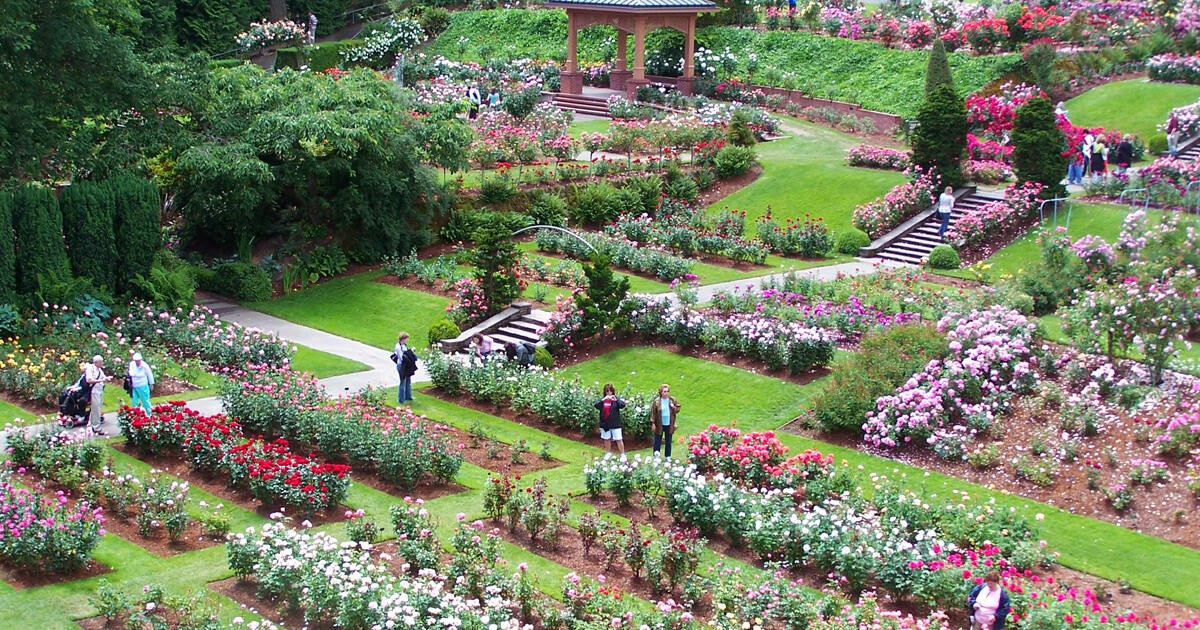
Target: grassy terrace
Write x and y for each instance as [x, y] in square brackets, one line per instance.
[1112, 105]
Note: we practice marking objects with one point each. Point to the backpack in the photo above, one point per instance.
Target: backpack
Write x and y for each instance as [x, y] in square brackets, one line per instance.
[525, 352]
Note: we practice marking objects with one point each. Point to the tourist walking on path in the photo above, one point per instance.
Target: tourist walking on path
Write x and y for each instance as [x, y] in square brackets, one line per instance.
[663, 412]
[610, 407]
[988, 603]
[141, 378]
[95, 376]
[406, 366]
[474, 101]
[945, 208]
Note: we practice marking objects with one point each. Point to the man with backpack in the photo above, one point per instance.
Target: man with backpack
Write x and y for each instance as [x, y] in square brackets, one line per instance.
[521, 352]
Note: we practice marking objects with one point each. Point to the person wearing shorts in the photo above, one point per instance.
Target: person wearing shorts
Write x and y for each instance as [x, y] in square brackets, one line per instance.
[610, 407]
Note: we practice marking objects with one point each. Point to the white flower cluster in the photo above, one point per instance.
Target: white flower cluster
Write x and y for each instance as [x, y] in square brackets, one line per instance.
[381, 47]
[339, 583]
[262, 34]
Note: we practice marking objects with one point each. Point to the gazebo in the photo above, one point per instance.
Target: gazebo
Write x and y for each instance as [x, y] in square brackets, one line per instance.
[636, 17]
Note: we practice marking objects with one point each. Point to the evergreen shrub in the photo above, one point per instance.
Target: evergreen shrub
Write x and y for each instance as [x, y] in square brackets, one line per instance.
[852, 240]
[944, 257]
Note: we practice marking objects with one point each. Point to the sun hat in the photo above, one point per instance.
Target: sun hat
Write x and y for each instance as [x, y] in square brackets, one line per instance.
[137, 356]
[97, 358]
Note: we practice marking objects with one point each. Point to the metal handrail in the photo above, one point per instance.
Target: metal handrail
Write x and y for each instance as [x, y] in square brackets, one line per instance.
[1055, 201]
[1134, 195]
[560, 229]
[1191, 197]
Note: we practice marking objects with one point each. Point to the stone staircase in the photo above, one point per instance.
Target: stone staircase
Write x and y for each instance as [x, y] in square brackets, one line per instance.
[912, 241]
[1189, 149]
[581, 104]
[517, 323]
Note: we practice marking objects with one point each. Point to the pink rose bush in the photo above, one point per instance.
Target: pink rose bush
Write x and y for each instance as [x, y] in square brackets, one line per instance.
[904, 201]
[1020, 205]
[991, 357]
[1174, 68]
[877, 157]
[46, 533]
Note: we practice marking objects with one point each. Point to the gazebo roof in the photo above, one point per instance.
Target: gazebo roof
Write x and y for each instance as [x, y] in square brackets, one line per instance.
[634, 5]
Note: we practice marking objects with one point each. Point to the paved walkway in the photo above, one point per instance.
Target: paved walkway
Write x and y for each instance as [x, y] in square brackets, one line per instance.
[382, 372]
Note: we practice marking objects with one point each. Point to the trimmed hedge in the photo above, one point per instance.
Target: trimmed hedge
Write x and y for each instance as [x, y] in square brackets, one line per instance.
[41, 254]
[88, 211]
[320, 57]
[241, 281]
[8, 262]
[137, 225]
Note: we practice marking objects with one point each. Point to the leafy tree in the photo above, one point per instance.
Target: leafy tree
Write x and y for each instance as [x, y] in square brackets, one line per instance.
[600, 303]
[88, 218]
[41, 256]
[137, 225]
[211, 25]
[938, 71]
[331, 14]
[60, 64]
[1038, 146]
[8, 269]
[940, 139]
[495, 258]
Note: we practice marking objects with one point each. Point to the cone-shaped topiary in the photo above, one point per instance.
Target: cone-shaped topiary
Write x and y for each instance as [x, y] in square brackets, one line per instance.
[1038, 146]
[940, 139]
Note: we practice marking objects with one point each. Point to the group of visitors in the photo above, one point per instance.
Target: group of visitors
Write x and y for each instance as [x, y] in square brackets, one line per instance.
[475, 101]
[664, 410]
[1091, 159]
[139, 378]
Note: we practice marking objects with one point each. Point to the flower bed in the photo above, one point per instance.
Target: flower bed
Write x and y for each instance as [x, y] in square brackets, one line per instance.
[400, 445]
[776, 342]
[991, 358]
[904, 201]
[342, 585]
[39, 534]
[806, 238]
[274, 474]
[1019, 206]
[201, 333]
[1174, 68]
[680, 227]
[877, 157]
[562, 403]
[895, 539]
[636, 257]
[987, 172]
[851, 318]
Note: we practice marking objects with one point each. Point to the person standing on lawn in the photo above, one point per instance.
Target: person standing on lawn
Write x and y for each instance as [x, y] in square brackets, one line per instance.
[988, 603]
[406, 366]
[94, 374]
[610, 407]
[141, 377]
[663, 412]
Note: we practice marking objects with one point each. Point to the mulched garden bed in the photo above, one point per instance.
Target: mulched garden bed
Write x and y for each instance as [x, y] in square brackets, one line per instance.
[475, 451]
[159, 543]
[216, 485]
[170, 617]
[245, 593]
[22, 580]
[428, 488]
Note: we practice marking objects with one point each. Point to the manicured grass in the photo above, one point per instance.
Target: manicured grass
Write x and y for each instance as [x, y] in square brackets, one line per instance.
[12, 414]
[578, 127]
[1101, 219]
[1136, 106]
[324, 364]
[708, 391]
[358, 308]
[805, 173]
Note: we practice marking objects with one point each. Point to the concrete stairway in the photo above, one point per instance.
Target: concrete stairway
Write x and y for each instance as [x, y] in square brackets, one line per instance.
[912, 241]
[517, 323]
[581, 104]
[1189, 149]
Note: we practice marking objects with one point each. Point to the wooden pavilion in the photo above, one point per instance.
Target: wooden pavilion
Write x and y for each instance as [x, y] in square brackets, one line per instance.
[636, 17]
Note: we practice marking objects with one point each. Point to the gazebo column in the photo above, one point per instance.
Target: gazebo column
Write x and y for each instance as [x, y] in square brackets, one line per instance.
[571, 79]
[685, 83]
[619, 75]
[639, 58]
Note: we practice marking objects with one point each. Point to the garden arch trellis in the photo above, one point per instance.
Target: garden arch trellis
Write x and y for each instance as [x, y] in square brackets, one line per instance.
[636, 17]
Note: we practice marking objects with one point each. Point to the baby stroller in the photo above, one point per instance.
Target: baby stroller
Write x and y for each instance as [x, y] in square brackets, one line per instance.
[73, 403]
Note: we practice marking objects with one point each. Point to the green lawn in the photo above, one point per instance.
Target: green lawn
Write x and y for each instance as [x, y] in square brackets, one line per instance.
[323, 364]
[806, 173]
[12, 414]
[578, 127]
[358, 308]
[1135, 106]
[1101, 219]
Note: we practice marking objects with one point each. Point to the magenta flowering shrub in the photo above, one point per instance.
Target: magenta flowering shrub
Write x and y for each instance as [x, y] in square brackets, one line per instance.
[1020, 204]
[46, 534]
[991, 358]
[903, 202]
[877, 157]
[1097, 255]
[469, 304]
